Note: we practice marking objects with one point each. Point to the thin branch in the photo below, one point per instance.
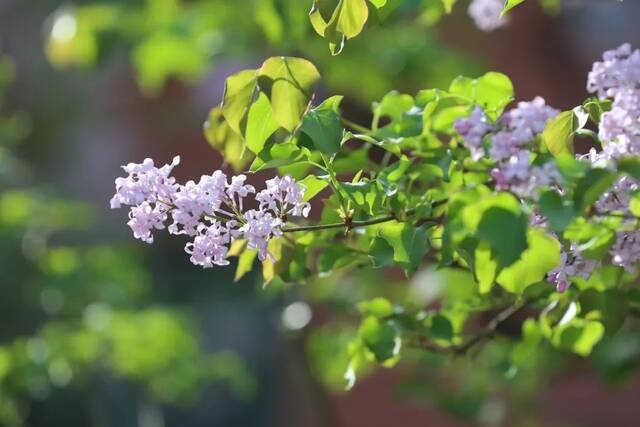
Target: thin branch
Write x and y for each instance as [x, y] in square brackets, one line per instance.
[349, 225]
[355, 126]
[487, 332]
[354, 224]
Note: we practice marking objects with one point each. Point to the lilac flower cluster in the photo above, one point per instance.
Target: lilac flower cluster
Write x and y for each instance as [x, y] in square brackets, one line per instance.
[510, 145]
[473, 129]
[510, 140]
[486, 14]
[210, 211]
[617, 77]
[572, 263]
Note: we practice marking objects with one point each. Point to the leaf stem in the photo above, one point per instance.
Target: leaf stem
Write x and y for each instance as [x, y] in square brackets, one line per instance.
[355, 126]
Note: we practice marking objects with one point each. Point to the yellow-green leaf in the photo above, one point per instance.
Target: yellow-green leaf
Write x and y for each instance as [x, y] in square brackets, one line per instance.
[245, 263]
[288, 83]
[239, 90]
[541, 256]
[260, 124]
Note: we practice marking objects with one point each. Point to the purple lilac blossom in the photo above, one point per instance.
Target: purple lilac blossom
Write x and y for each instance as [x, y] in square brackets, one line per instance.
[211, 210]
[260, 227]
[616, 77]
[473, 129]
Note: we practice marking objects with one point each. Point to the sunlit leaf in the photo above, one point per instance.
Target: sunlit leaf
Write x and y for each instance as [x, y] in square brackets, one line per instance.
[260, 124]
[289, 83]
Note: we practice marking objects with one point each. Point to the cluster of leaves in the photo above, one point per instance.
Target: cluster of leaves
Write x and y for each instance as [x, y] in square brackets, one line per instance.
[403, 193]
[341, 20]
[74, 312]
[185, 40]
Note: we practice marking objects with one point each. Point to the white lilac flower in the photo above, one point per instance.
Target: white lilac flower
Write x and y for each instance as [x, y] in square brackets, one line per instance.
[259, 228]
[210, 246]
[143, 219]
[145, 182]
[239, 189]
[283, 196]
[486, 14]
[190, 204]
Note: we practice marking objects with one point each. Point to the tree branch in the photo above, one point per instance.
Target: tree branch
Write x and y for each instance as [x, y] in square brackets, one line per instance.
[354, 224]
[487, 332]
[348, 225]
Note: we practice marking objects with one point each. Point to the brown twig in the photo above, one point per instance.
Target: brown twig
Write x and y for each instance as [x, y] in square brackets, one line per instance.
[487, 332]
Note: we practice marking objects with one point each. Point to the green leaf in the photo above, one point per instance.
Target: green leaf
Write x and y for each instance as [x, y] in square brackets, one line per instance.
[347, 21]
[542, 255]
[222, 138]
[352, 16]
[558, 134]
[594, 239]
[313, 185]
[590, 187]
[323, 125]
[334, 257]
[396, 171]
[239, 90]
[630, 166]
[289, 83]
[380, 338]
[499, 221]
[378, 3]
[578, 335]
[596, 107]
[245, 263]
[493, 91]
[364, 194]
[409, 243]
[378, 307]
[505, 232]
[558, 211]
[448, 5]
[609, 307]
[570, 168]
[393, 105]
[267, 16]
[276, 155]
[510, 4]
[440, 327]
[634, 205]
[260, 124]
[485, 268]
[380, 253]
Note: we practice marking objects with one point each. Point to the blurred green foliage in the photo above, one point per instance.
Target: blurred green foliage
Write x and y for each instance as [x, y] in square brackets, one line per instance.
[74, 311]
[185, 40]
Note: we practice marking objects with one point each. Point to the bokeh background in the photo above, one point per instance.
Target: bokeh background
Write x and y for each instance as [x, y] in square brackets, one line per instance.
[97, 329]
